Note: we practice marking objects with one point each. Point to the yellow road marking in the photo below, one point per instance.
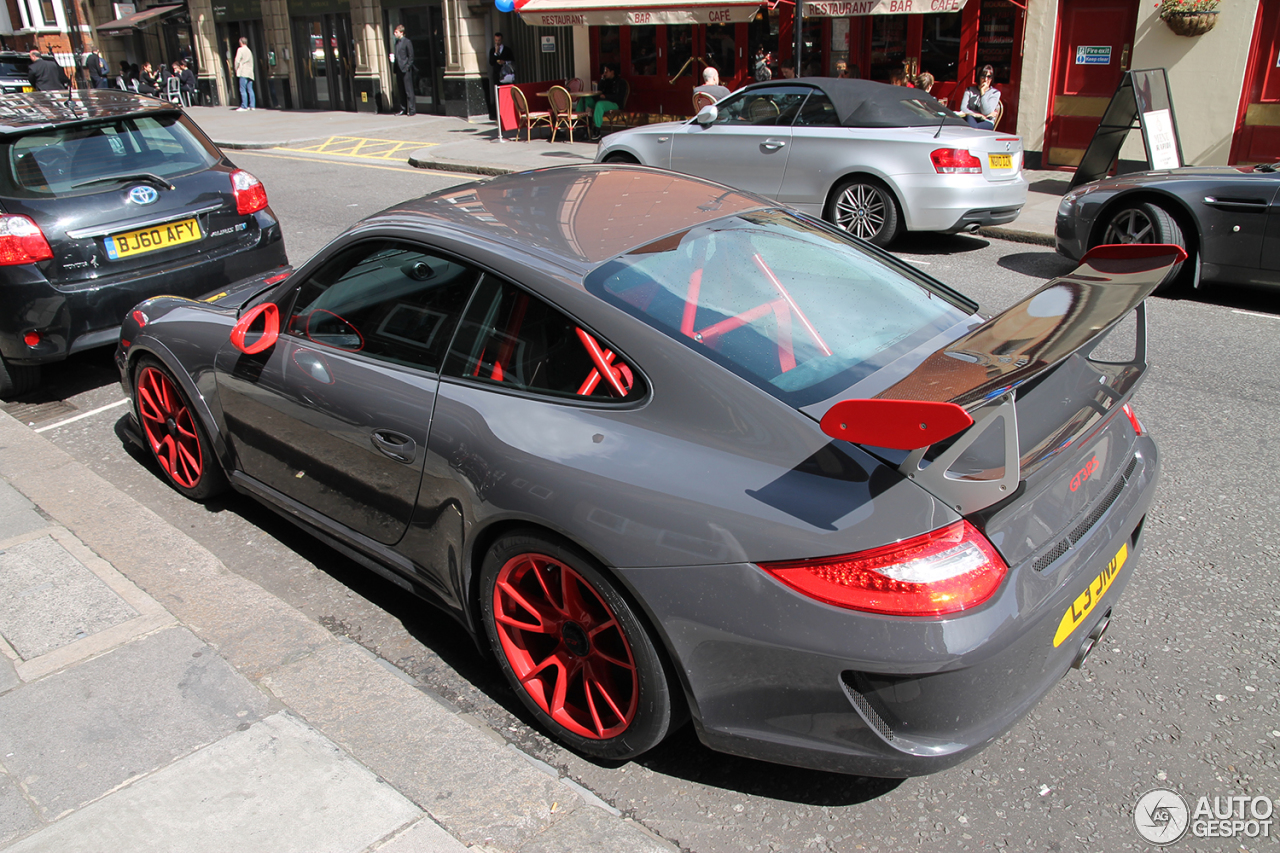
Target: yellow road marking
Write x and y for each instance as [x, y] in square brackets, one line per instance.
[257, 152]
[358, 146]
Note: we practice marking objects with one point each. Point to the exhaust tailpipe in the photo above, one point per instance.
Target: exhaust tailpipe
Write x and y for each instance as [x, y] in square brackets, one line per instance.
[1091, 641]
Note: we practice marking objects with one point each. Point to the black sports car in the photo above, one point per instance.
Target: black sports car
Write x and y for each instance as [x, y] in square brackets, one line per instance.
[1226, 217]
[107, 198]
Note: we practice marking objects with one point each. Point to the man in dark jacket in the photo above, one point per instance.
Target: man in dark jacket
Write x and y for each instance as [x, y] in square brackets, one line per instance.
[501, 62]
[45, 74]
[95, 68]
[404, 72]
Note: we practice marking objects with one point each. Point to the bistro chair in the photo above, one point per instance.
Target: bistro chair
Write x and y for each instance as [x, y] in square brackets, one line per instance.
[575, 85]
[702, 99]
[526, 119]
[615, 119]
[562, 112]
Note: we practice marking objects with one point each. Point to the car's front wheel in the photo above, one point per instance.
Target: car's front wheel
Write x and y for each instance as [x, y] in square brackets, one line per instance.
[620, 157]
[172, 431]
[17, 379]
[865, 208]
[572, 648]
[1149, 223]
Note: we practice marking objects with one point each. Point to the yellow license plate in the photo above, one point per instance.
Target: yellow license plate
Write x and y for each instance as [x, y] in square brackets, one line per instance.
[26, 89]
[152, 239]
[1000, 161]
[1087, 600]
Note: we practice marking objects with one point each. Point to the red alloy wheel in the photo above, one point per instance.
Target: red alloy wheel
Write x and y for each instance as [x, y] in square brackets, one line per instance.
[566, 646]
[170, 432]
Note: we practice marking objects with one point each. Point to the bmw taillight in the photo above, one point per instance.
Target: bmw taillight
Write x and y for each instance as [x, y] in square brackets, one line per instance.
[945, 571]
[1133, 419]
[955, 161]
[251, 195]
[21, 241]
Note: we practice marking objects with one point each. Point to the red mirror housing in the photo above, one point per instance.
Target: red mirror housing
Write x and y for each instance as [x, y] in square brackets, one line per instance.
[899, 424]
[270, 315]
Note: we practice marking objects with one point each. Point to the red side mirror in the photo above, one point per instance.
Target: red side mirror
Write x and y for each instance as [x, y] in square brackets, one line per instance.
[270, 315]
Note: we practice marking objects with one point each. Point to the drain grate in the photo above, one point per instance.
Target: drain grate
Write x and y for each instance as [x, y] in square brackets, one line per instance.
[35, 413]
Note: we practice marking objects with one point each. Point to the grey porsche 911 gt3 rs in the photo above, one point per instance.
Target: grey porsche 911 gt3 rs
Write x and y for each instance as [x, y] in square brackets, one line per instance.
[666, 448]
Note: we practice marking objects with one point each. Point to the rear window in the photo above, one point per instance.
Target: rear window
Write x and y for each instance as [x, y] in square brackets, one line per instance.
[15, 68]
[781, 301]
[73, 160]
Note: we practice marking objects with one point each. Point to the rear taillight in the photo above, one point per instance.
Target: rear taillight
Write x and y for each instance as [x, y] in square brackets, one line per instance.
[1133, 419]
[945, 571]
[251, 195]
[21, 241]
[955, 161]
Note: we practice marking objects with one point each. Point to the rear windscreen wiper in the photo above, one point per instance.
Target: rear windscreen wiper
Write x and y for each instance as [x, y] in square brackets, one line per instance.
[124, 179]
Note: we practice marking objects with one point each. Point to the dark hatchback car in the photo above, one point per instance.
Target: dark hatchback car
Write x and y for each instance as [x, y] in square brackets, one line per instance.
[107, 198]
[1226, 217]
[663, 446]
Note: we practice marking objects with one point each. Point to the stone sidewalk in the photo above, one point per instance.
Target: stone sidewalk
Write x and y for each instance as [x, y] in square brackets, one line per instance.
[151, 700]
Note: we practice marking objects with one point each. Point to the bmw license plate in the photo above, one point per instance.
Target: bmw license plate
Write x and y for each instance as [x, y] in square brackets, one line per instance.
[152, 239]
[1086, 601]
[1000, 161]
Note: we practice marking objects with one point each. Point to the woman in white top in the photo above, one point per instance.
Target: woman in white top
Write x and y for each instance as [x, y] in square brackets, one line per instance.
[980, 105]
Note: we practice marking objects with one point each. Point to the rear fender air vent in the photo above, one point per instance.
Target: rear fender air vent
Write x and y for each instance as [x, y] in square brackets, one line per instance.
[1061, 547]
[860, 702]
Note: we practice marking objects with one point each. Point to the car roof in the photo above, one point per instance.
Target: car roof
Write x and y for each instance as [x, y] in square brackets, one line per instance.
[866, 103]
[38, 110]
[577, 216]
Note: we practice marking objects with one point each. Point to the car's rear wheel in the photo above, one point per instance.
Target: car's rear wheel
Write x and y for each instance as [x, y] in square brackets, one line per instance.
[865, 208]
[622, 158]
[573, 649]
[172, 431]
[17, 379]
[1149, 223]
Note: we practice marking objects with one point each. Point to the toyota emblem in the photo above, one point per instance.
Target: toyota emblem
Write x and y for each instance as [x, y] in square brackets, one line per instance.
[143, 195]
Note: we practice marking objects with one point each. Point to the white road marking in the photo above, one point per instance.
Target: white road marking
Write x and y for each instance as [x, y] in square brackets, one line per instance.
[83, 415]
[1254, 314]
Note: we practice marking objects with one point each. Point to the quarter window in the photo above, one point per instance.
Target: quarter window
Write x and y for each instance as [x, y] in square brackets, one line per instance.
[389, 300]
[514, 340]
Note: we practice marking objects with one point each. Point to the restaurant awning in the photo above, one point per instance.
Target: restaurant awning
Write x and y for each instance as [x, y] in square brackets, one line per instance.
[594, 13]
[845, 8]
[138, 20]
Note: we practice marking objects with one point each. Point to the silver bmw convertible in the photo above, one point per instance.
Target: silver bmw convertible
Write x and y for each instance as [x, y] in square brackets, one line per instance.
[870, 158]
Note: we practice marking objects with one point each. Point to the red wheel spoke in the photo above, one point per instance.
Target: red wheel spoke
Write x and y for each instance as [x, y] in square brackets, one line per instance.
[537, 670]
[613, 706]
[524, 603]
[567, 671]
[591, 705]
[574, 606]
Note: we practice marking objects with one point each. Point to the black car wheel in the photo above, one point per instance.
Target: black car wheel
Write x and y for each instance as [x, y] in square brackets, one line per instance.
[17, 379]
[573, 650]
[177, 441]
[622, 158]
[865, 208]
[1148, 223]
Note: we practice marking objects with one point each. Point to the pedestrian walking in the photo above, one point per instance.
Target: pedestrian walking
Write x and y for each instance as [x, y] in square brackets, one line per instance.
[45, 74]
[95, 68]
[244, 73]
[404, 72]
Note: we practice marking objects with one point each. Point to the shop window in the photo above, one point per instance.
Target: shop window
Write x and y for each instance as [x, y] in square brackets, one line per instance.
[387, 300]
[611, 47]
[644, 51]
[680, 53]
[762, 32]
[995, 37]
[722, 53]
[888, 47]
[940, 46]
[514, 340]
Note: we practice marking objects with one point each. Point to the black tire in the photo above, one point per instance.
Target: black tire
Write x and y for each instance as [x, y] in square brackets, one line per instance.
[17, 379]
[622, 158]
[865, 208]
[1150, 223]
[596, 640]
[173, 433]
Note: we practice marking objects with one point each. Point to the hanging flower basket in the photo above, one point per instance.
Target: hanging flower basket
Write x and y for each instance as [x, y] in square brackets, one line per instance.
[1189, 17]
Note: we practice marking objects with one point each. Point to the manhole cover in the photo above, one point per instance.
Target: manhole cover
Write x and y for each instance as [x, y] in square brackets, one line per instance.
[34, 413]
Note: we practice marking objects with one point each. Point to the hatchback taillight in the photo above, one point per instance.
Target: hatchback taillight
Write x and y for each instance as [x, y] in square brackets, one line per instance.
[947, 570]
[21, 241]
[955, 161]
[251, 195]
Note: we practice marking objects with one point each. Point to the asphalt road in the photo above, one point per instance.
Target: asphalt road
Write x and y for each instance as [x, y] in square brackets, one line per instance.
[1183, 693]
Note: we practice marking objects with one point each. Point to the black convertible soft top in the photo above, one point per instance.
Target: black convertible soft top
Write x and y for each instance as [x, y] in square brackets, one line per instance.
[865, 103]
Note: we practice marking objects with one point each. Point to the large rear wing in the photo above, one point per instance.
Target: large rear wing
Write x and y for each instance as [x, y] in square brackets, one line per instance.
[964, 389]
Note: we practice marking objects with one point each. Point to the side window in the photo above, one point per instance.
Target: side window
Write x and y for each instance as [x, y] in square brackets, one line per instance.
[769, 107]
[518, 341]
[385, 299]
[818, 111]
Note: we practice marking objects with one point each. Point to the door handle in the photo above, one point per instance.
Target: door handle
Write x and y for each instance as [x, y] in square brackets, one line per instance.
[772, 144]
[395, 445]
